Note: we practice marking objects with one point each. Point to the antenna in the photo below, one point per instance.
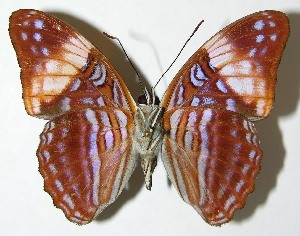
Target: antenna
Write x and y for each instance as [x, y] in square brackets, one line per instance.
[195, 30]
[137, 73]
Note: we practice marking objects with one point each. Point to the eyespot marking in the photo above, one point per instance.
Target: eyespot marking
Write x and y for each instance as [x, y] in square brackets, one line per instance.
[252, 52]
[259, 25]
[39, 24]
[24, 36]
[260, 38]
[37, 37]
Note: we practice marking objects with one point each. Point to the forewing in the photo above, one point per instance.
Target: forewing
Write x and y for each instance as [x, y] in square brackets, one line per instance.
[235, 69]
[60, 69]
[212, 157]
[86, 158]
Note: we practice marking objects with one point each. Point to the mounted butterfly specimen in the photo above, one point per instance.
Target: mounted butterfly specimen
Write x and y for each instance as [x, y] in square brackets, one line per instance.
[96, 133]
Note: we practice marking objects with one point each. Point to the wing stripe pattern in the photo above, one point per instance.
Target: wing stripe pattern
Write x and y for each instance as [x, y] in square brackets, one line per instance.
[84, 168]
[216, 175]
[90, 115]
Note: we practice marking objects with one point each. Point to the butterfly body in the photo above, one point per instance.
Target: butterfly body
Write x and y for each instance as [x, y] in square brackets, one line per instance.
[203, 128]
[148, 137]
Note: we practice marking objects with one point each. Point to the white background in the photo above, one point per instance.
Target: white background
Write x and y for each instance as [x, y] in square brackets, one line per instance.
[152, 33]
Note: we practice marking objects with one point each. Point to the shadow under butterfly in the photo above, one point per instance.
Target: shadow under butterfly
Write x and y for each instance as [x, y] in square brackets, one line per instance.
[97, 134]
[287, 91]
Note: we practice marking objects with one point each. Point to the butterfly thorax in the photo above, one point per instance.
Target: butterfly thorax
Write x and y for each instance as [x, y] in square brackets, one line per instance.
[147, 137]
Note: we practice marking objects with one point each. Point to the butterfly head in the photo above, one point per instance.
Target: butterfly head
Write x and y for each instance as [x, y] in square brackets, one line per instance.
[147, 99]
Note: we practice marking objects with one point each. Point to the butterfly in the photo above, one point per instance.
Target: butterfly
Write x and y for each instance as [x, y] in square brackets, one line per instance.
[203, 127]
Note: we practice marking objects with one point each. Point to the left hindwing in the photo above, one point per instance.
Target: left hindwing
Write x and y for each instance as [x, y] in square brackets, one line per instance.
[86, 158]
